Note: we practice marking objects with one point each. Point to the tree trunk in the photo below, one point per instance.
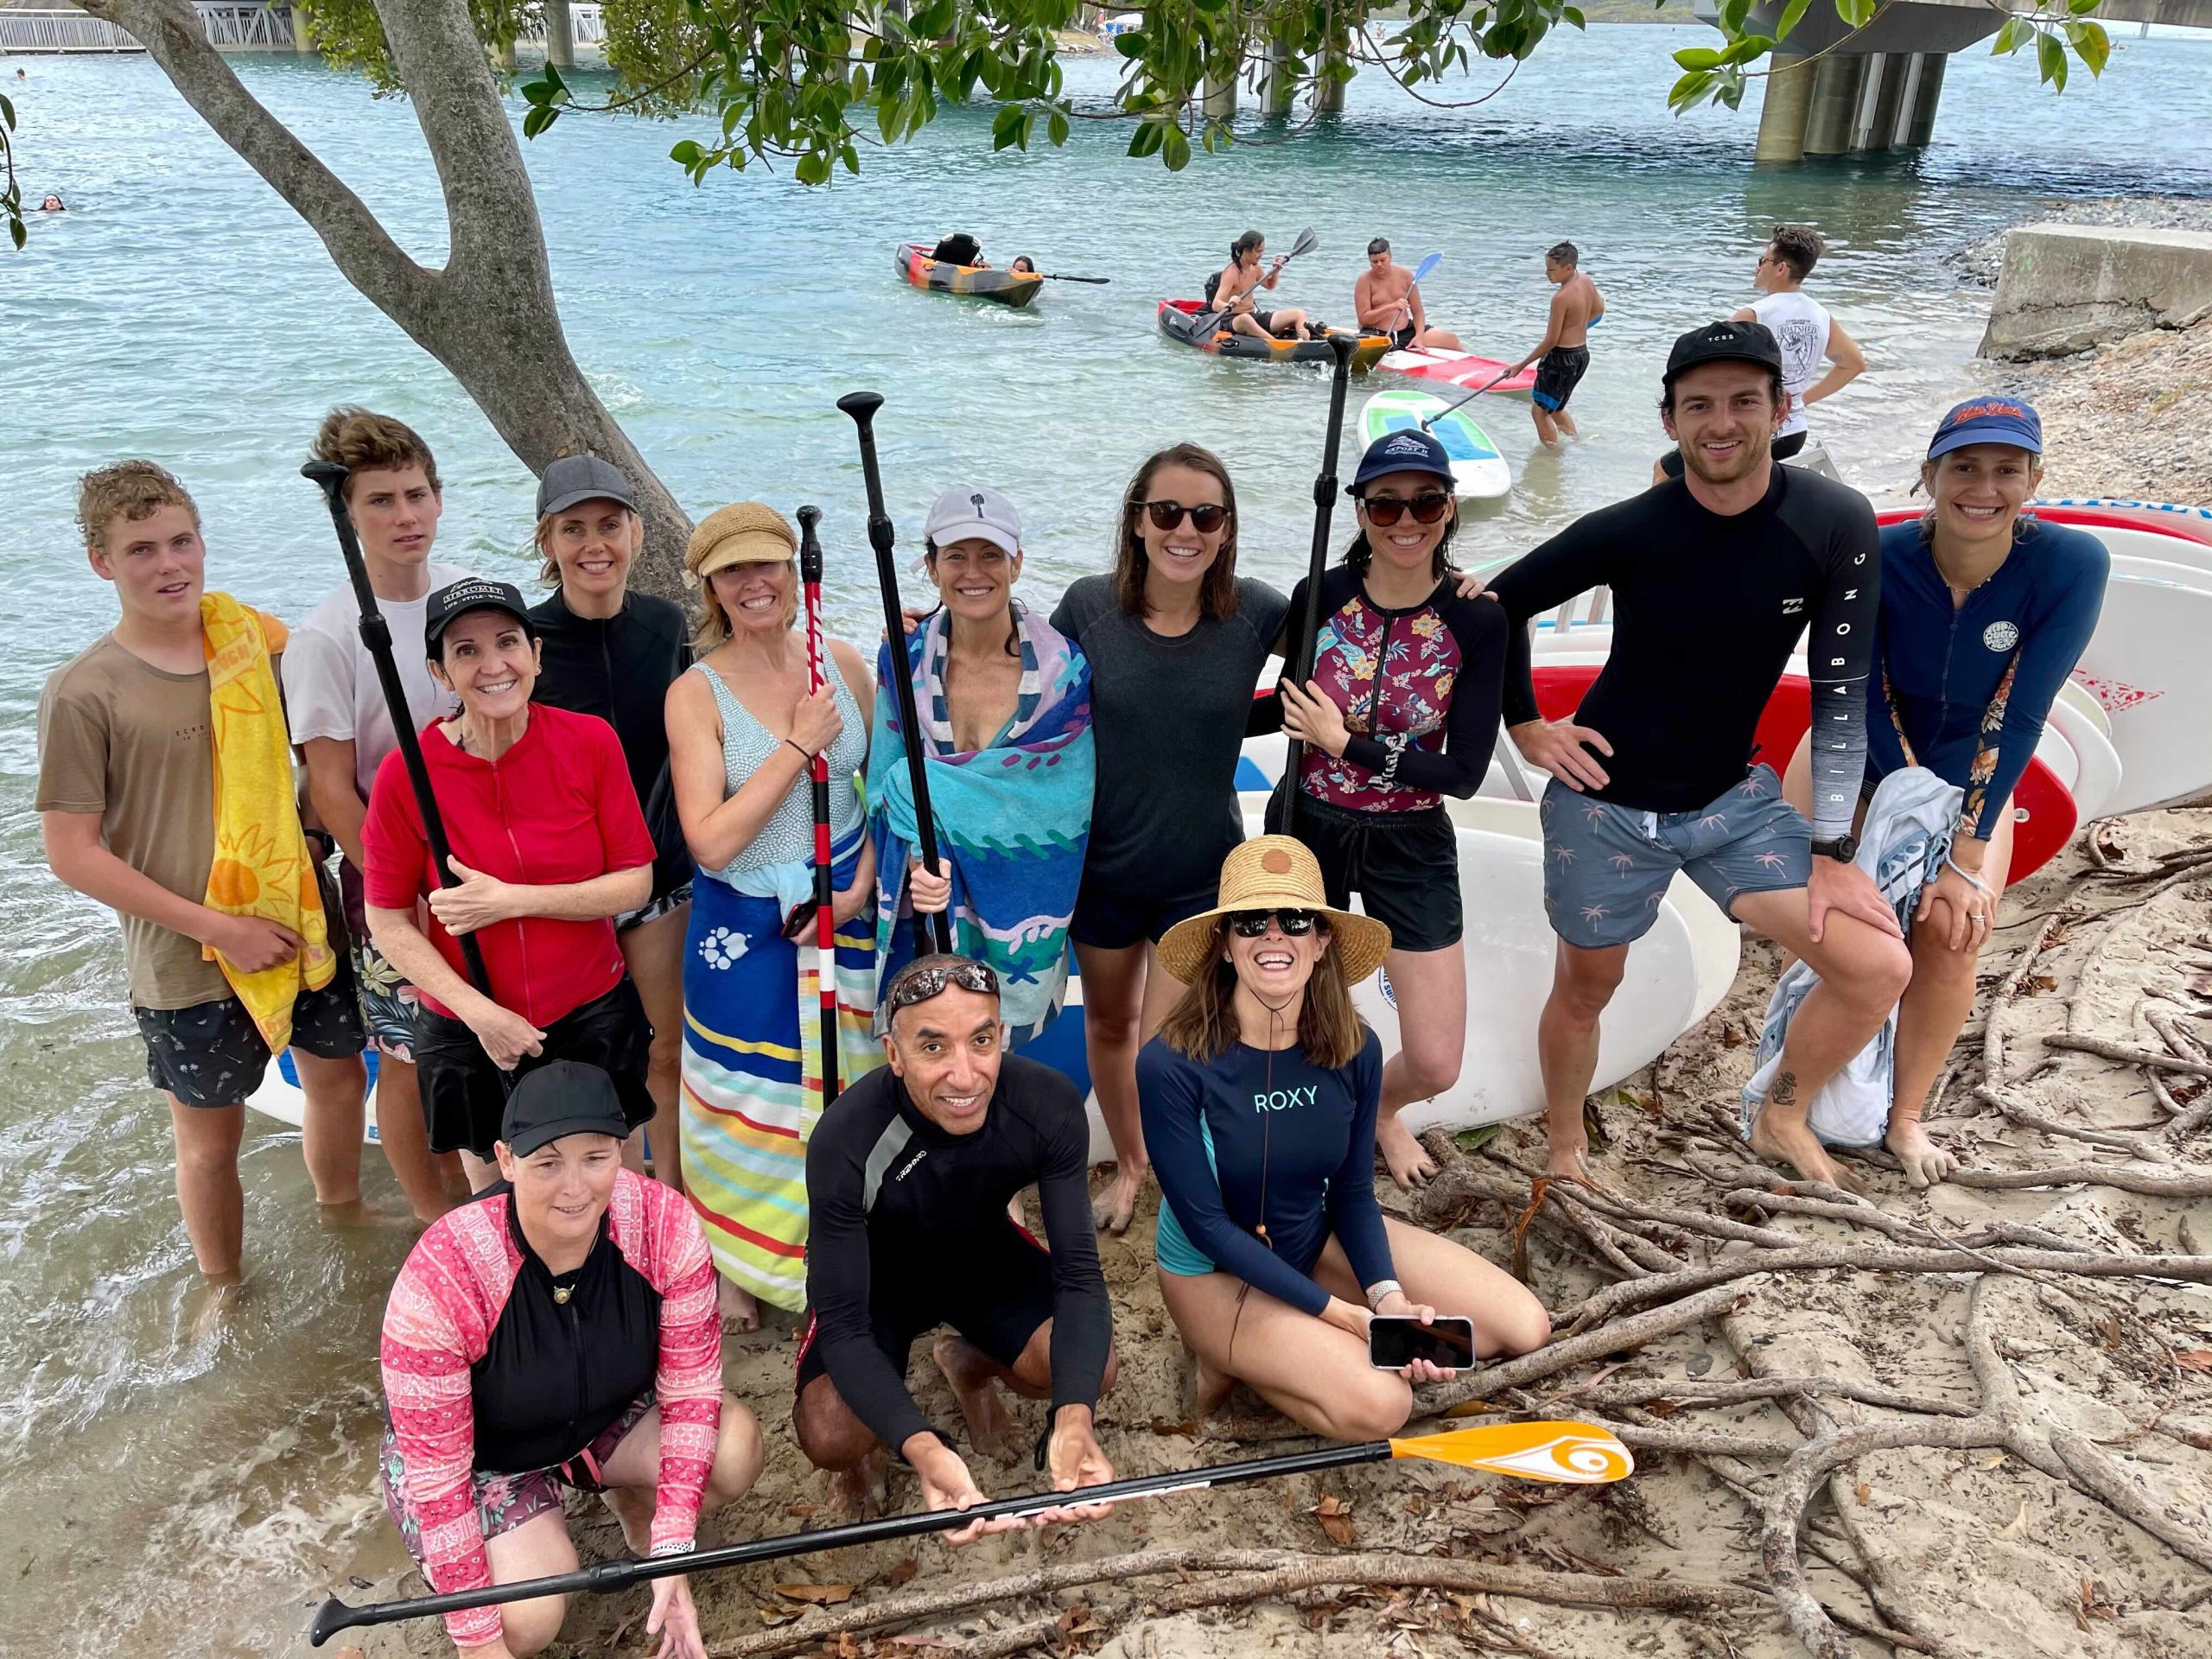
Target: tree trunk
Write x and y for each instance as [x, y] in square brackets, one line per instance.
[489, 316]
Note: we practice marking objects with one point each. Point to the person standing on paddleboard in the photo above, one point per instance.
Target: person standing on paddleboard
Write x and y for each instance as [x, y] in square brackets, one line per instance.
[743, 731]
[1176, 640]
[1715, 577]
[1387, 300]
[1562, 357]
[558, 1334]
[1260, 1097]
[1401, 711]
[228, 937]
[613, 653]
[1234, 291]
[549, 846]
[1985, 611]
[908, 1177]
[345, 733]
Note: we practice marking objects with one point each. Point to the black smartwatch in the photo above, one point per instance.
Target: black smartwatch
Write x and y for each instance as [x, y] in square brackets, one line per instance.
[1842, 849]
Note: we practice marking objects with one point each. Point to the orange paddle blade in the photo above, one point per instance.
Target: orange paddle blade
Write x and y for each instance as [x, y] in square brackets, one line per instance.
[1573, 1453]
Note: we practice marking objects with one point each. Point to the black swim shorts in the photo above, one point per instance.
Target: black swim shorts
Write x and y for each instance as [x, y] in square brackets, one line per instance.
[464, 1096]
[1558, 373]
[211, 1054]
[1111, 920]
[1404, 866]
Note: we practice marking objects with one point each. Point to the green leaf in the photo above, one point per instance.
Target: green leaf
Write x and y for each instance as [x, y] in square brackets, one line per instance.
[1145, 141]
[1792, 15]
[7, 112]
[1857, 13]
[2015, 33]
[535, 119]
[1574, 15]
[1006, 127]
[687, 154]
[1732, 14]
[1174, 148]
[813, 169]
[1697, 57]
[2082, 7]
[2091, 44]
[1057, 128]
[1131, 43]
[1475, 1138]
[1690, 90]
[536, 91]
[2050, 61]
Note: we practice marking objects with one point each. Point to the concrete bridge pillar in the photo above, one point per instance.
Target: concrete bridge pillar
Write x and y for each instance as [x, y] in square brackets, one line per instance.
[1220, 97]
[560, 36]
[1329, 96]
[1919, 122]
[1787, 101]
[1837, 83]
[1876, 127]
[1278, 86]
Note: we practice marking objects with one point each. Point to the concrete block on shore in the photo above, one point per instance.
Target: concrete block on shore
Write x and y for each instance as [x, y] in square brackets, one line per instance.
[2065, 287]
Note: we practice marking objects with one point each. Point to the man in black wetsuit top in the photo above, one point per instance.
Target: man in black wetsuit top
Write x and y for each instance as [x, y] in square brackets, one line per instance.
[1714, 578]
[908, 1175]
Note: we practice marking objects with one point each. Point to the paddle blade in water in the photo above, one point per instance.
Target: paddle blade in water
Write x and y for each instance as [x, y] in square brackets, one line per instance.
[1576, 1454]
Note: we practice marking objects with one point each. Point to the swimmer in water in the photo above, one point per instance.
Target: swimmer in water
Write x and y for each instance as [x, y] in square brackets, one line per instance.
[52, 204]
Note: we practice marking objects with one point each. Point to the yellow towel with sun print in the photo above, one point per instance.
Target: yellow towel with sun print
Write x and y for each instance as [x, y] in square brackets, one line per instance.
[262, 866]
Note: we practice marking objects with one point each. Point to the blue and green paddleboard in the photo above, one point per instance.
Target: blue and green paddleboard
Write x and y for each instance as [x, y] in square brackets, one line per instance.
[1478, 472]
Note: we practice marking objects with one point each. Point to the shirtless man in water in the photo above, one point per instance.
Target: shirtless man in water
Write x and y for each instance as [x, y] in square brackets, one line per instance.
[907, 1178]
[1386, 300]
[1562, 357]
[1236, 289]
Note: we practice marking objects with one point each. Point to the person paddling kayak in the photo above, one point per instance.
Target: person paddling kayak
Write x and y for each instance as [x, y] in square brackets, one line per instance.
[1234, 291]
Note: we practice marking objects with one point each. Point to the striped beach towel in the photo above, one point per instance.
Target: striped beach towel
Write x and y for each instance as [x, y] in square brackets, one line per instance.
[1011, 819]
[752, 1073]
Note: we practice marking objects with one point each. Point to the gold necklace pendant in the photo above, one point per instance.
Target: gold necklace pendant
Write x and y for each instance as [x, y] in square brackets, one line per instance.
[562, 1292]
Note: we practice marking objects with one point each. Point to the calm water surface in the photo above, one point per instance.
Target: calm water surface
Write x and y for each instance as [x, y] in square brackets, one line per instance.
[194, 1492]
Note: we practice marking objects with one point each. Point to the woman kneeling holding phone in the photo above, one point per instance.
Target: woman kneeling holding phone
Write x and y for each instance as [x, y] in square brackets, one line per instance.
[1259, 1098]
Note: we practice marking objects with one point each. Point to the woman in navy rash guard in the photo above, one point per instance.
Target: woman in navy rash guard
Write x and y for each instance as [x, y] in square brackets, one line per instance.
[1985, 611]
[1259, 1098]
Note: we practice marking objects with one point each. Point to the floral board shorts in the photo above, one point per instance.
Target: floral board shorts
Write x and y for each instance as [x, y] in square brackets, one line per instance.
[504, 1501]
[388, 1002]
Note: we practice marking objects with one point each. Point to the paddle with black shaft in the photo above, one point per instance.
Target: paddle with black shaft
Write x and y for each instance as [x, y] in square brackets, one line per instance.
[825, 891]
[1057, 277]
[1430, 419]
[1560, 1452]
[376, 634]
[930, 932]
[1341, 346]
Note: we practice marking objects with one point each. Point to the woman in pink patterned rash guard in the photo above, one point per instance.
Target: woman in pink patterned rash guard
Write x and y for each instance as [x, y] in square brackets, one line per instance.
[557, 1330]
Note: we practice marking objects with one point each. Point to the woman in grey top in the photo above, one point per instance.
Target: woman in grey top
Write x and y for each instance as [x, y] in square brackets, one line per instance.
[1176, 643]
[743, 730]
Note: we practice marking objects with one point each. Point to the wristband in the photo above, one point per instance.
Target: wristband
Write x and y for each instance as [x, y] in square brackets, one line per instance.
[1380, 1289]
[803, 754]
[673, 1546]
[1970, 875]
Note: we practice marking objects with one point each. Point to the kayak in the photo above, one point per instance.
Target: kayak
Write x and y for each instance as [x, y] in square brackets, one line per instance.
[1478, 472]
[1190, 323]
[1460, 369]
[978, 281]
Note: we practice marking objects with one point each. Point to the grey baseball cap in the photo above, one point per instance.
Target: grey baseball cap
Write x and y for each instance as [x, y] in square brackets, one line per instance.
[982, 514]
[582, 478]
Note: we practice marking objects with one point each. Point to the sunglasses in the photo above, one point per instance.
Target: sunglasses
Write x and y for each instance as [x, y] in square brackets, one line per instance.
[1253, 924]
[1166, 515]
[1384, 510]
[925, 984]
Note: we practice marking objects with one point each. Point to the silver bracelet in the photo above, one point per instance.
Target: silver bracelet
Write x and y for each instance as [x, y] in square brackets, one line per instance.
[1970, 875]
[1381, 1289]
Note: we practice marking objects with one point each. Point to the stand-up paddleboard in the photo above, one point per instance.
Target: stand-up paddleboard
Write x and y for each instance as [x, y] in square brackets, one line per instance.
[2147, 666]
[279, 1096]
[2161, 517]
[1460, 369]
[2169, 540]
[1478, 472]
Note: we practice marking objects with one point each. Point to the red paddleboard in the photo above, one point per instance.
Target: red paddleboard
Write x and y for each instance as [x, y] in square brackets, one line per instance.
[1460, 369]
[2190, 524]
[2044, 820]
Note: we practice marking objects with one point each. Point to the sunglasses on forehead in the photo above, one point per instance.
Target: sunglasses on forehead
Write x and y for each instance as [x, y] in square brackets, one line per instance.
[1253, 924]
[1166, 515]
[925, 984]
[1384, 510]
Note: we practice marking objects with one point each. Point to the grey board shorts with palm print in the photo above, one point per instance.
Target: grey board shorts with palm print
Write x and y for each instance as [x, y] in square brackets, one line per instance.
[1606, 867]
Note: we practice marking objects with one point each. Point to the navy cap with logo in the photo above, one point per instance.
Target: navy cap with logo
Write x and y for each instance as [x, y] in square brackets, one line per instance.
[1410, 451]
[472, 594]
[562, 1097]
[572, 479]
[1724, 342]
[1988, 420]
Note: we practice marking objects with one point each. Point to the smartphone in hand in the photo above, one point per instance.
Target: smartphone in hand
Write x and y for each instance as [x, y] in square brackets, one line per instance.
[1395, 1340]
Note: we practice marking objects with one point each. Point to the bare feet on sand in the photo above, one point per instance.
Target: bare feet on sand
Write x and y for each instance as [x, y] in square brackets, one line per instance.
[976, 1386]
[1408, 1160]
[1925, 1163]
[1796, 1145]
[1112, 1210]
[860, 1493]
[1569, 1160]
[739, 1311]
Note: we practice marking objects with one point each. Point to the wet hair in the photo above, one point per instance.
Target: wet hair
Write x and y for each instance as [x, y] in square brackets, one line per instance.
[1380, 245]
[53, 197]
[1217, 593]
[1799, 247]
[131, 489]
[362, 441]
[1244, 244]
[1359, 555]
[1203, 1024]
[1023, 262]
[1564, 253]
[1773, 391]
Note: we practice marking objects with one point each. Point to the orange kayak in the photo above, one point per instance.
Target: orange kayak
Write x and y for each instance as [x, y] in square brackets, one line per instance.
[977, 282]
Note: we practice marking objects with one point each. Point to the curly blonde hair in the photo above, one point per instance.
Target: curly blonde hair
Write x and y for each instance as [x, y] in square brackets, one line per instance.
[130, 490]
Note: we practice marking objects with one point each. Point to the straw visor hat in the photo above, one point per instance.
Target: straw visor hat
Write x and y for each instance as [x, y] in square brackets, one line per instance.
[743, 532]
[1275, 873]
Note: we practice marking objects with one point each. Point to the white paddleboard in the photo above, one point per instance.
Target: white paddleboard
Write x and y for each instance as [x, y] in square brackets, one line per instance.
[1478, 470]
[2147, 667]
[279, 1096]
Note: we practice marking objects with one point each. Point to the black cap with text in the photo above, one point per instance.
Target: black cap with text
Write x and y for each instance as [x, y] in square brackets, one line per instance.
[472, 594]
[1724, 342]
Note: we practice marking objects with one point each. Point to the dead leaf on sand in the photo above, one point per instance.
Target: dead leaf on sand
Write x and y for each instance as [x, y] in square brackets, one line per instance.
[2195, 1359]
[1335, 1516]
[818, 1595]
[902, 1572]
[2018, 1524]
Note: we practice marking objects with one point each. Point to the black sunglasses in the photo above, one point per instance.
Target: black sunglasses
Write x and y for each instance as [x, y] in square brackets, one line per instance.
[1384, 510]
[922, 984]
[1253, 924]
[1166, 515]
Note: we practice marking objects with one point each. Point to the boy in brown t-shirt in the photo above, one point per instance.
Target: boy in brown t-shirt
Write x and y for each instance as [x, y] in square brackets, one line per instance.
[126, 795]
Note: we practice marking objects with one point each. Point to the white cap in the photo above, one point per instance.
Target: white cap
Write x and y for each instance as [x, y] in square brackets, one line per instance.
[974, 515]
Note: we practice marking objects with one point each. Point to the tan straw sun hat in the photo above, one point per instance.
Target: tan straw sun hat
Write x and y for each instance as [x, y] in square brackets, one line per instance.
[1275, 873]
[737, 534]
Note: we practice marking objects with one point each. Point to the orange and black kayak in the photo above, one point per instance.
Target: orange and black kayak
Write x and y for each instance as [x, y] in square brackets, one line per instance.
[1191, 322]
[1014, 289]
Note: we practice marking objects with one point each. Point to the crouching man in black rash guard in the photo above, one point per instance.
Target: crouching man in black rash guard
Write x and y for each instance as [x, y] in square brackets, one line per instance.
[1714, 576]
[907, 1178]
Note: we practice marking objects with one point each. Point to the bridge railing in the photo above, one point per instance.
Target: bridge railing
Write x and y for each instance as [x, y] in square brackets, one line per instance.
[230, 26]
[23, 30]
